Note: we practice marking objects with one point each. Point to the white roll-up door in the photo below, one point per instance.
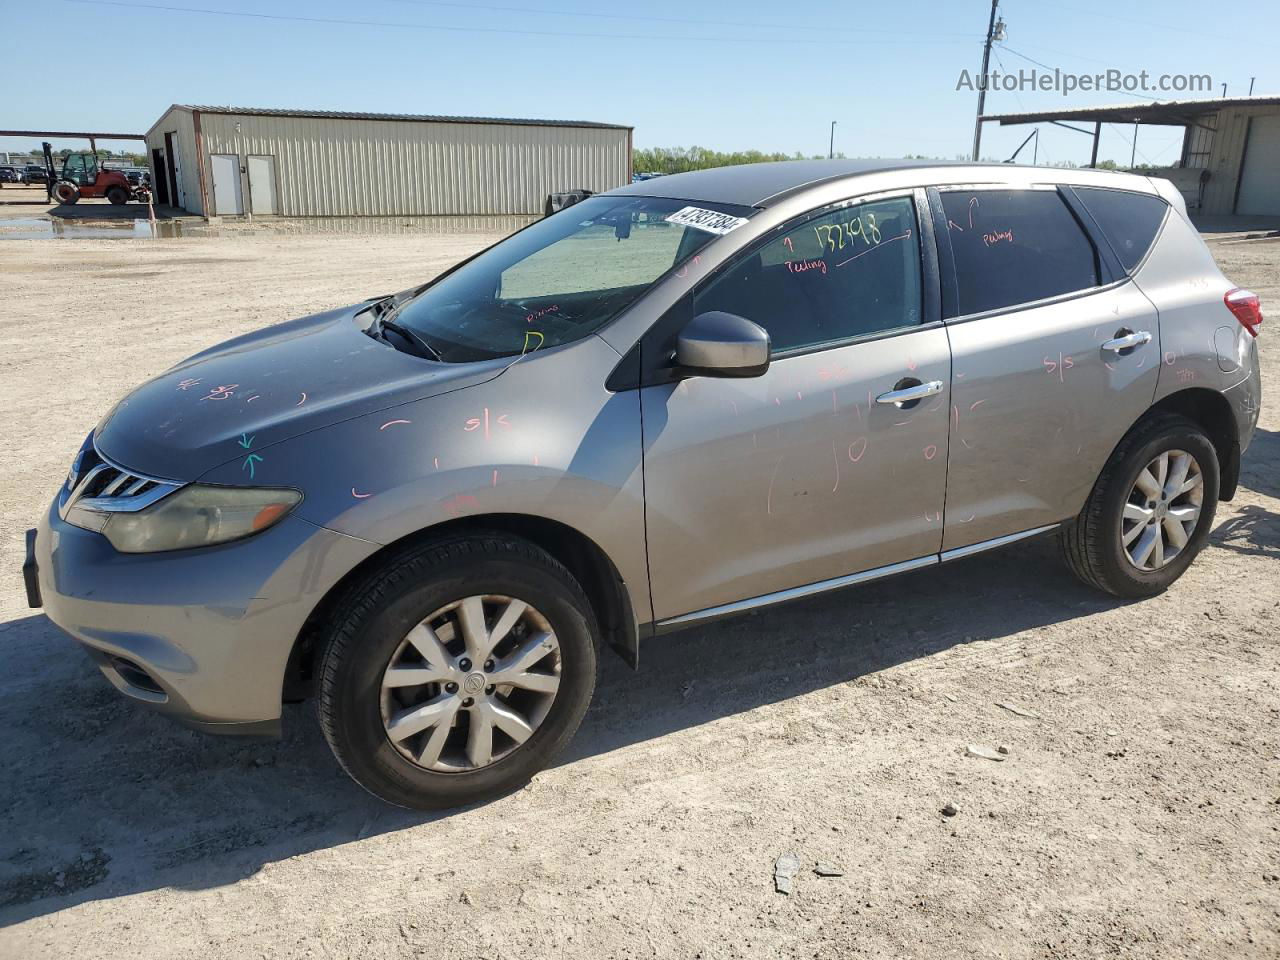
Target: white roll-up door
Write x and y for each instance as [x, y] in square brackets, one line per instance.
[1260, 179]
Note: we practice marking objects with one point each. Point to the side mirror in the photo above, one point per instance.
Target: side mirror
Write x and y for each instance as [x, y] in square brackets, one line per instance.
[719, 344]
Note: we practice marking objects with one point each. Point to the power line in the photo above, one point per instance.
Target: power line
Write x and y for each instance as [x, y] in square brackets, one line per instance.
[1143, 22]
[398, 25]
[1122, 93]
[695, 21]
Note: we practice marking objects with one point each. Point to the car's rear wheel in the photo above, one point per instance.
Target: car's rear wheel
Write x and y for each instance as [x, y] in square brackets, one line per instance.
[457, 671]
[1149, 513]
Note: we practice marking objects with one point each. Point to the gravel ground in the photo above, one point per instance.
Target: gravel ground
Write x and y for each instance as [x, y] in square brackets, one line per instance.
[1136, 813]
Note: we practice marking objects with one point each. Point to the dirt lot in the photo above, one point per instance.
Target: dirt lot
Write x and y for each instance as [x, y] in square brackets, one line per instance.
[1137, 816]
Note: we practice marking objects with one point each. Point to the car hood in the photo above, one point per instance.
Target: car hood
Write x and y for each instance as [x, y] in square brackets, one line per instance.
[269, 386]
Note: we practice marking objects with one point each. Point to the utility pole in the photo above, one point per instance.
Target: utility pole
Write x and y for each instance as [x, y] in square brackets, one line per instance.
[982, 84]
[831, 150]
[1251, 79]
[1134, 152]
[1224, 90]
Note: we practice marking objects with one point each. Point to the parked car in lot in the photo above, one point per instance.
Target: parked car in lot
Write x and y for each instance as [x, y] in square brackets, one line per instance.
[433, 511]
[10, 175]
[34, 173]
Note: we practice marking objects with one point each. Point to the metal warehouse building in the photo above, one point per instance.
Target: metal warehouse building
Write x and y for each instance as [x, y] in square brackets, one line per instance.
[1230, 161]
[225, 161]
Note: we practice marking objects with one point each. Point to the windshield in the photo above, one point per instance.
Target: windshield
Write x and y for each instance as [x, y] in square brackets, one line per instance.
[560, 279]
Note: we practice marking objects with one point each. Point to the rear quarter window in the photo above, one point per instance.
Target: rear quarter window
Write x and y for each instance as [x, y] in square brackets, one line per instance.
[1129, 220]
[1015, 246]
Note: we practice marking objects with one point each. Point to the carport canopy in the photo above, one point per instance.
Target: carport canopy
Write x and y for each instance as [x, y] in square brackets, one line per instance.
[1169, 113]
[93, 138]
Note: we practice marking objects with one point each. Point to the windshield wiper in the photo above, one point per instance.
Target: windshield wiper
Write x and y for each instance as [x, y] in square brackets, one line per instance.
[425, 349]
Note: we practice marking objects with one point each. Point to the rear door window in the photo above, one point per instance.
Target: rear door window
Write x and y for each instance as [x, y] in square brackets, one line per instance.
[1015, 246]
[1129, 220]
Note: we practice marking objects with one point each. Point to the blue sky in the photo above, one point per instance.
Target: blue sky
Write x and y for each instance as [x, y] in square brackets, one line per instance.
[726, 74]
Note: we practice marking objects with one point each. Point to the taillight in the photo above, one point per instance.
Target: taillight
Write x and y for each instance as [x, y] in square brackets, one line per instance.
[1244, 304]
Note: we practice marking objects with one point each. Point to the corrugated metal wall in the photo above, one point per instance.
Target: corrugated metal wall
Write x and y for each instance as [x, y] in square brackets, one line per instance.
[338, 167]
[1225, 160]
[180, 124]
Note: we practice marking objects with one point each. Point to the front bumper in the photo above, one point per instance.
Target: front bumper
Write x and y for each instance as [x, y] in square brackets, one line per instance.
[202, 635]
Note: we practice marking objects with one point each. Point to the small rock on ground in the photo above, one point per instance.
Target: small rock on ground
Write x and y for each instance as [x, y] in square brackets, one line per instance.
[784, 871]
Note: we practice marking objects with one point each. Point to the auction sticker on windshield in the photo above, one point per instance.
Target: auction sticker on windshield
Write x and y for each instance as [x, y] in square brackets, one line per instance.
[711, 221]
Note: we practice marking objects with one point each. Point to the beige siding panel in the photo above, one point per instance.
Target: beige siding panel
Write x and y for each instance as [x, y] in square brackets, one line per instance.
[181, 124]
[335, 167]
[1228, 152]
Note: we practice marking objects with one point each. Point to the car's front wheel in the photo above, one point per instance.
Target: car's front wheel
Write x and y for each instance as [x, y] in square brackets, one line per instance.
[1150, 511]
[457, 671]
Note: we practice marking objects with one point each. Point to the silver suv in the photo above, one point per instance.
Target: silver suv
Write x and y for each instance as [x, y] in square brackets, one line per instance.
[683, 399]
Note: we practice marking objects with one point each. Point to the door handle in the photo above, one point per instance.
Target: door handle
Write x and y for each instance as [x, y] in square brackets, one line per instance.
[1128, 341]
[908, 394]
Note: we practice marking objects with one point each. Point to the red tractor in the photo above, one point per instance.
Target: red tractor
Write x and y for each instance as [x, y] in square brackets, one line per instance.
[83, 177]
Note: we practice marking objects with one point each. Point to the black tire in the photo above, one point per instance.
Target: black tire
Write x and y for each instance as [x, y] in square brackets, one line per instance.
[373, 620]
[1091, 542]
[66, 192]
[117, 196]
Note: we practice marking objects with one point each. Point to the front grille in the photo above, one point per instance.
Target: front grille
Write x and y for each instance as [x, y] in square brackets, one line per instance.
[97, 485]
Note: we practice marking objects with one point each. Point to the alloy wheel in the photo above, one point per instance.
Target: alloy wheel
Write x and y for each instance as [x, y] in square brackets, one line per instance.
[470, 683]
[1162, 510]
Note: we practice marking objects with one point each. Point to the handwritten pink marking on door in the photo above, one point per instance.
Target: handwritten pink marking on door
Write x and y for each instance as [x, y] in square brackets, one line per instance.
[911, 364]
[1170, 357]
[536, 461]
[1060, 366]
[955, 413]
[974, 406]
[768, 503]
[861, 450]
[836, 459]
[301, 400]
[495, 478]
[187, 384]
[973, 202]
[952, 225]
[253, 398]
[969, 518]
[392, 423]
[930, 451]
[787, 241]
[967, 444]
[360, 496]
[934, 518]
[435, 461]
[996, 236]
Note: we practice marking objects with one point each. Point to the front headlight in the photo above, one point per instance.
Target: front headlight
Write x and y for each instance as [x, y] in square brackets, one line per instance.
[198, 516]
